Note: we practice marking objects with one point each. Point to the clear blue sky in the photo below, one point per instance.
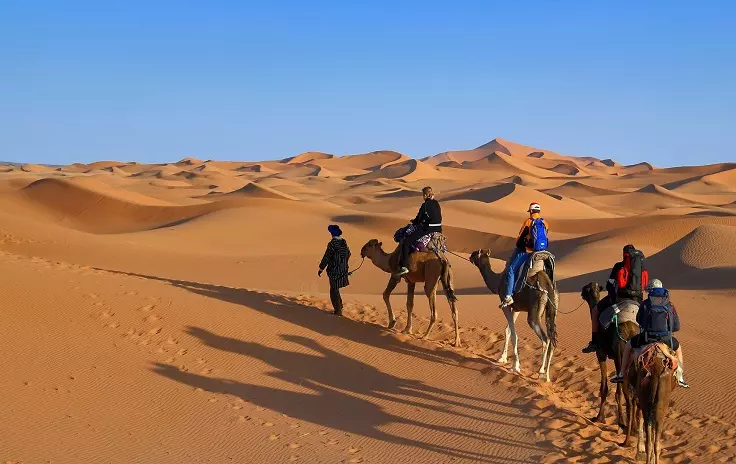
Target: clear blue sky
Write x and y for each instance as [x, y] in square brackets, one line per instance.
[156, 81]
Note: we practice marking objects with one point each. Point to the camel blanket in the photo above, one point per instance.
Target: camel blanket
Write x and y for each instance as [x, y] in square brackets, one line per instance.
[429, 242]
[538, 261]
[649, 355]
[625, 310]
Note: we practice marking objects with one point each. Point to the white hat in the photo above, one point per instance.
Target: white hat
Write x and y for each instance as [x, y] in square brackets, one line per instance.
[655, 283]
[534, 207]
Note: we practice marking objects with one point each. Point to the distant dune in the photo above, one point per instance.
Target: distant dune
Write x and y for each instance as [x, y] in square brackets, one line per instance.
[173, 312]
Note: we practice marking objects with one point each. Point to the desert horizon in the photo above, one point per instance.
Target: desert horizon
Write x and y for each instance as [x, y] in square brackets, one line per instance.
[172, 312]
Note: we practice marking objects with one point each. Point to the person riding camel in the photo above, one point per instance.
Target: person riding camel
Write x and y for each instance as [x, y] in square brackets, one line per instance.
[625, 282]
[428, 220]
[657, 319]
[531, 238]
[335, 260]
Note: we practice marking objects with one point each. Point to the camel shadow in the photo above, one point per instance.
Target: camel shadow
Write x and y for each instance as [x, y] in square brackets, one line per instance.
[319, 321]
[348, 374]
[337, 387]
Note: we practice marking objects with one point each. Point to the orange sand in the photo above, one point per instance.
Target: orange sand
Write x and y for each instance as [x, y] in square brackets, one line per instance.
[172, 313]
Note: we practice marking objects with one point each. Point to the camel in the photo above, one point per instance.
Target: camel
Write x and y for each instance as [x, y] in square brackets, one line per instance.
[534, 300]
[651, 384]
[611, 347]
[424, 267]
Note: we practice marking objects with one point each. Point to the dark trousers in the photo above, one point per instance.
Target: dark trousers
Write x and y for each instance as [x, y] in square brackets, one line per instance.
[336, 299]
[407, 243]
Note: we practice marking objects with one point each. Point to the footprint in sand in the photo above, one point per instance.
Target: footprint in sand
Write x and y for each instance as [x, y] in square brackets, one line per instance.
[268, 424]
[294, 445]
[155, 331]
[151, 318]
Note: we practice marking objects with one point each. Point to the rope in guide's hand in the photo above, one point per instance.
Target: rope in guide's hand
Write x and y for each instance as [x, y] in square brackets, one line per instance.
[349, 272]
[356, 269]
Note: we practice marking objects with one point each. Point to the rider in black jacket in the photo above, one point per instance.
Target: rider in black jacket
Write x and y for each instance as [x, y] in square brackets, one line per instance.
[428, 220]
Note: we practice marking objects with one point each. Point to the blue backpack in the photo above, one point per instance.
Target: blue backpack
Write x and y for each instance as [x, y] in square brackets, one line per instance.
[657, 321]
[538, 233]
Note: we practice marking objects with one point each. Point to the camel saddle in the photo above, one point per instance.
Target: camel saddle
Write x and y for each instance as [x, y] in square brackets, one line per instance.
[651, 352]
[623, 311]
[537, 262]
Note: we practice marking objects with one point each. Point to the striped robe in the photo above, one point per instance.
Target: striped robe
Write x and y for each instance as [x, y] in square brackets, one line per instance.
[336, 261]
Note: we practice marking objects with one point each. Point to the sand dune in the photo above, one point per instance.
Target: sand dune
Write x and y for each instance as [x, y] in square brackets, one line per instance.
[307, 157]
[514, 197]
[101, 210]
[408, 171]
[576, 189]
[252, 190]
[192, 286]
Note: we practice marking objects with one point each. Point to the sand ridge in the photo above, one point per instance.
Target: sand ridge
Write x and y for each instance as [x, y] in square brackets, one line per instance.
[182, 298]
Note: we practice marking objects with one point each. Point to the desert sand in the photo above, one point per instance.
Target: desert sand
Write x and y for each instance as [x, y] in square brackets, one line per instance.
[172, 313]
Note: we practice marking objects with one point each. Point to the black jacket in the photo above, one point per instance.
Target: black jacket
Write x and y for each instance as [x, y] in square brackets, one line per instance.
[429, 217]
[335, 260]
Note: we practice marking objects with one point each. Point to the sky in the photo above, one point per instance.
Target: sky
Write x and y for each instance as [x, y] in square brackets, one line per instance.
[157, 81]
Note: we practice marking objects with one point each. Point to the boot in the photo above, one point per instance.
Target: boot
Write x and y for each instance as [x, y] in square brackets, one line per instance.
[593, 344]
[680, 378]
[507, 301]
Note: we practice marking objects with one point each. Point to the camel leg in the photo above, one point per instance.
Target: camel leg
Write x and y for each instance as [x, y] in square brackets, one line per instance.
[453, 309]
[549, 350]
[535, 322]
[431, 292]
[620, 413]
[392, 283]
[650, 433]
[633, 415]
[641, 448]
[515, 341]
[409, 306]
[603, 393]
[510, 320]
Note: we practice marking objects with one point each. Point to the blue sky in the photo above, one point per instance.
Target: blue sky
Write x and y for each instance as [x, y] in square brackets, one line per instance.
[157, 81]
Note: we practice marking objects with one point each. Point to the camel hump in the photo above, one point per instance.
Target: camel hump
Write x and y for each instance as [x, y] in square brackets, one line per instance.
[653, 352]
[542, 261]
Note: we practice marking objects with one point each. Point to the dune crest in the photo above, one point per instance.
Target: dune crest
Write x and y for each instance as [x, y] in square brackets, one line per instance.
[193, 287]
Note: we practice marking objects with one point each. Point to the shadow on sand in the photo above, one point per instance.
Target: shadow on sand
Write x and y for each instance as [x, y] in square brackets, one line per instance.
[341, 389]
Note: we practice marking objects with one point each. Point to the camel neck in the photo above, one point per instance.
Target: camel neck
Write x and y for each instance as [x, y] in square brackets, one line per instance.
[381, 260]
[489, 277]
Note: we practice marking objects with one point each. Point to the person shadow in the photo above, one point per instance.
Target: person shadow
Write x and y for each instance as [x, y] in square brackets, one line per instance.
[341, 388]
[322, 322]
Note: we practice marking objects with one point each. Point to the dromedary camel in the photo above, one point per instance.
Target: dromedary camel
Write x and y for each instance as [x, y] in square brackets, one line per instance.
[652, 382]
[423, 267]
[534, 300]
[611, 346]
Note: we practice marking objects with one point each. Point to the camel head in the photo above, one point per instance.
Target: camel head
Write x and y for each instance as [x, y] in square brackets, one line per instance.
[481, 256]
[591, 293]
[371, 248]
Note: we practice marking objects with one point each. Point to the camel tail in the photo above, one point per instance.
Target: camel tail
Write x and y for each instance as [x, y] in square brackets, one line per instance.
[551, 316]
[447, 281]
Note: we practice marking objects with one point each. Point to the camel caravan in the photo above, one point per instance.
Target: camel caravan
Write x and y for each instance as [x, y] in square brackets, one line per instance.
[635, 333]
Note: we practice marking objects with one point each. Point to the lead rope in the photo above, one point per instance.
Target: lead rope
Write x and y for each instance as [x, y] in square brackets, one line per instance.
[570, 312]
[356, 269]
